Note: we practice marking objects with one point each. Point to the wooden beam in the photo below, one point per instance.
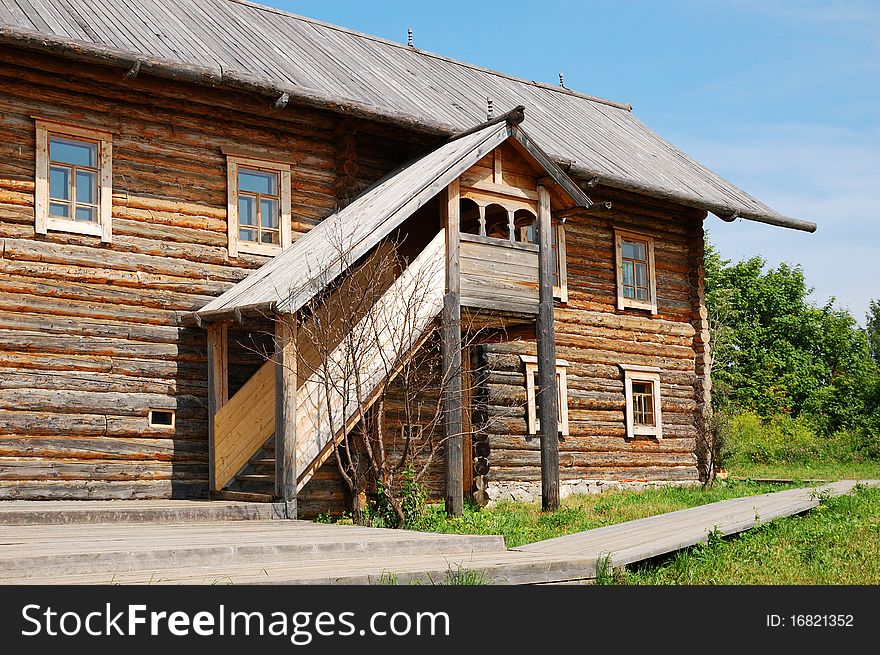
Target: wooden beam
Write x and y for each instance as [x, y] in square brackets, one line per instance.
[451, 355]
[218, 386]
[285, 412]
[547, 398]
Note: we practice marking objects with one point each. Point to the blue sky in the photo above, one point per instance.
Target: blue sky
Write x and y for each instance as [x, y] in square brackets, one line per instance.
[780, 97]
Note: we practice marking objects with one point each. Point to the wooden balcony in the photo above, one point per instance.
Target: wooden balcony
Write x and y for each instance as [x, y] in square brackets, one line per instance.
[498, 274]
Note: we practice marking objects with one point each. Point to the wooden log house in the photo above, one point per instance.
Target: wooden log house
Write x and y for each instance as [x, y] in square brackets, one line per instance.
[176, 178]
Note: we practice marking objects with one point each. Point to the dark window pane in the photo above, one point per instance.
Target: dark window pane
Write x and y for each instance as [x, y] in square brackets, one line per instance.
[59, 210]
[87, 187]
[85, 214]
[72, 151]
[59, 182]
[269, 213]
[629, 292]
[247, 210]
[269, 237]
[642, 293]
[258, 182]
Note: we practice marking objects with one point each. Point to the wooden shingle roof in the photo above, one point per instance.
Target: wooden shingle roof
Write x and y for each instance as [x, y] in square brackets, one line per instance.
[237, 43]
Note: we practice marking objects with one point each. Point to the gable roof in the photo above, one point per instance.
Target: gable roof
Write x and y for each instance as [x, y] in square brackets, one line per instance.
[291, 279]
[237, 43]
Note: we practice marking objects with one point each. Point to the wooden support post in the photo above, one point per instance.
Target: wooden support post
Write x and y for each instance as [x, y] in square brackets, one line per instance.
[547, 393]
[451, 355]
[285, 412]
[218, 386]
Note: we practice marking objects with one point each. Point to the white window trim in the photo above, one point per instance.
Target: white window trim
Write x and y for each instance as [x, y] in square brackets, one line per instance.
[650, 374]
[631, 303]
[162, 426]
[531, 372]
[560, 293]
[42, 221]
[237, 246]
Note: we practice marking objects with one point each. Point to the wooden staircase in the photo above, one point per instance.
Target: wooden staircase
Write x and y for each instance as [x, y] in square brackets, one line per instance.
[244, 443]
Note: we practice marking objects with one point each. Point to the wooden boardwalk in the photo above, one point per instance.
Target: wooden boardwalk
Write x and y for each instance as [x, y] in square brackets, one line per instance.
[634, 541]
[146, 542]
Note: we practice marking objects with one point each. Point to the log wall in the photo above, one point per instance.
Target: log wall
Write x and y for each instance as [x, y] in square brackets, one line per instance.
[90, 339]
[594, 337]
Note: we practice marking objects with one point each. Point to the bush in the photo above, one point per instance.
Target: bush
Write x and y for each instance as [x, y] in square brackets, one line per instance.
[783, 439]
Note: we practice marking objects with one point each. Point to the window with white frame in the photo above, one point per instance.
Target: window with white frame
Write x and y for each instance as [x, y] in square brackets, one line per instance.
[533, 422]
[642, 389]
[258, 206]
[74, 180]
[636, 280]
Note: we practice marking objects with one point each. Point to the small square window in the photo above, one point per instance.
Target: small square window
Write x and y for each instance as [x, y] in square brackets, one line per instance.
[636, 284]
[161, 418]
[411, 430]
[642, 391]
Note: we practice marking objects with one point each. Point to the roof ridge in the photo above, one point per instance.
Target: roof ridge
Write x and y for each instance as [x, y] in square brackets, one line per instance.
[544, 85]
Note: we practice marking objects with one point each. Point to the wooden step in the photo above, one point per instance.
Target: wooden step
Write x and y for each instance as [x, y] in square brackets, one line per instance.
[53, 551]
[242, 496]
[256, 477]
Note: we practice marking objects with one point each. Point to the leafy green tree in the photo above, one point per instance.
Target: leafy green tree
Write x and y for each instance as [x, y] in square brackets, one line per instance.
[873, 324]
[778, 353]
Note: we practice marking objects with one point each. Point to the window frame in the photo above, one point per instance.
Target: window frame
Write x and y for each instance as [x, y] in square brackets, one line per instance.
[645, 375]
[632, 303]
[162, 426]
[235, 244]
[560, 292]
[530, 364]
[43, 222]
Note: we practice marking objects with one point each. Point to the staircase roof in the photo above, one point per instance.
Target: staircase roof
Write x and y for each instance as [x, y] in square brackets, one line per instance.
[316, 259]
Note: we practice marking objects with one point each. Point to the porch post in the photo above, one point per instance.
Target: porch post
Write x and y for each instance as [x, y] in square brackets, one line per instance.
[285, 412]
[451, 356]
[547, 392]
[218, 386]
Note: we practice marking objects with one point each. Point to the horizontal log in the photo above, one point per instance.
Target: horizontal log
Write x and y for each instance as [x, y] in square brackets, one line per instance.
[94, 402]
[101, 489]
[40, 469]
[71, 445]
[614, 474]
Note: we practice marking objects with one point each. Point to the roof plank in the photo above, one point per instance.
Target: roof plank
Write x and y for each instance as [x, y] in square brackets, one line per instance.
[246, 45]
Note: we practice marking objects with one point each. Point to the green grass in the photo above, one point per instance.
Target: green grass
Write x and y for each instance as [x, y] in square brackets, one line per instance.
[837, 543]
[868, 470]
[522, 523]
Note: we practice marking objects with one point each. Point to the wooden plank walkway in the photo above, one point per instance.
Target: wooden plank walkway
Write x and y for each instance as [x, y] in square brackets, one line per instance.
[38, 545]
[634, 541]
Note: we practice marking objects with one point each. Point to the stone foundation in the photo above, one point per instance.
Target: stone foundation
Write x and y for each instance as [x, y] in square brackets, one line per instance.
[531, 491]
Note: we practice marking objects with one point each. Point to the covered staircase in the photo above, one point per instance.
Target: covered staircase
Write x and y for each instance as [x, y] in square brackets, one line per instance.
[244, 462]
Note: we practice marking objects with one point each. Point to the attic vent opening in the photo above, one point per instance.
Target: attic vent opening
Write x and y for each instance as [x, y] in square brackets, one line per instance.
[161, 418]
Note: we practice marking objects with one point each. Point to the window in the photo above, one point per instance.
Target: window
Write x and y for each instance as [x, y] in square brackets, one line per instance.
[258, 206]
[636, 285]
[74, 179]
[533, 398]
[526, 227]
[411, 431]
[642, 389]
[161, 418]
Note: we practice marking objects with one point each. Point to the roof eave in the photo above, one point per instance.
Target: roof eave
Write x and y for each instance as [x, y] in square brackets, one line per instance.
[724, 212]
[214, 77]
